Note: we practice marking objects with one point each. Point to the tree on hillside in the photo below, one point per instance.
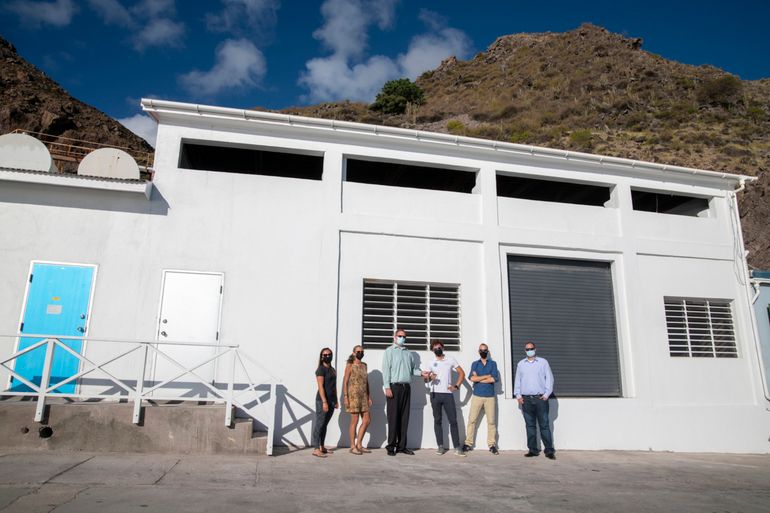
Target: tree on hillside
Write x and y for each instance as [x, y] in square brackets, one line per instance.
[396, 95]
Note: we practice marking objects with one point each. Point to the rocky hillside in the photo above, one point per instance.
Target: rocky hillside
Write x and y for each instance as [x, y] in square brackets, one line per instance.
[595, 91]
[30, 100]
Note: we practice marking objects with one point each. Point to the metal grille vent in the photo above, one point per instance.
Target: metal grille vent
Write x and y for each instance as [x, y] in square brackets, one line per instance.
[700, 328]
[425, 310]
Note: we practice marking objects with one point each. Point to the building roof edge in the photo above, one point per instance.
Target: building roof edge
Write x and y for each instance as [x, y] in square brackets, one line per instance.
[155, 108]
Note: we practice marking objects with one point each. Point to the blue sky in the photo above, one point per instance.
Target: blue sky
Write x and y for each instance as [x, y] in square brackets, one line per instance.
[278, 53]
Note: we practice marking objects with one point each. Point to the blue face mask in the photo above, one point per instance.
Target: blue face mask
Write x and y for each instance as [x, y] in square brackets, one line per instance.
[401, 341]
[530, 353]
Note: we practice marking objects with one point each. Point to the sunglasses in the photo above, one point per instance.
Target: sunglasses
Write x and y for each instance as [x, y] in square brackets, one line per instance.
[326, 354]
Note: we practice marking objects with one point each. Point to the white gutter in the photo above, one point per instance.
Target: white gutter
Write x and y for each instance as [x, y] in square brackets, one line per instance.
[155, 107]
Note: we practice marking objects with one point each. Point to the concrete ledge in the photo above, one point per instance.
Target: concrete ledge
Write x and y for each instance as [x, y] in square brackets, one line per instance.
[107, 427]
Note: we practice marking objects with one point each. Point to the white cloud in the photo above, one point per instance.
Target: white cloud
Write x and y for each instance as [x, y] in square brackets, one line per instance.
[153, 8]
[345, 75]
[143, 126]
[238, 64]
[159, 32]
[58, 13]
[238, 16]
[112, 12]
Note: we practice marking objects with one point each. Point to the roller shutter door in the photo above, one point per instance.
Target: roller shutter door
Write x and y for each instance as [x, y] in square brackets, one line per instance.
[566, 307]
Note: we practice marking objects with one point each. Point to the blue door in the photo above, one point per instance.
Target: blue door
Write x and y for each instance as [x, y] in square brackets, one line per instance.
[57, 304]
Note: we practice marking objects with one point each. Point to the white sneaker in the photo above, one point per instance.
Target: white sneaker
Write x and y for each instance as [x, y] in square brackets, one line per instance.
[460, 452]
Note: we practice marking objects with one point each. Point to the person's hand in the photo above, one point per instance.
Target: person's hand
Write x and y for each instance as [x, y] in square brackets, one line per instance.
[336, 405]
[424, 374]
[432, 376]
[388, 393]
[520, 400]
[370, 402]
[544, 397]
[326, 406]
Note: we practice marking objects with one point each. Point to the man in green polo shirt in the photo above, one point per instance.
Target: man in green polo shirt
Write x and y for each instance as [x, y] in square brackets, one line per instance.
[398, 367]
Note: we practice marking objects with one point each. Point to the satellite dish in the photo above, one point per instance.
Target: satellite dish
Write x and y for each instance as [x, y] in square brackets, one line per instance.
[109, 163]
[22, 151]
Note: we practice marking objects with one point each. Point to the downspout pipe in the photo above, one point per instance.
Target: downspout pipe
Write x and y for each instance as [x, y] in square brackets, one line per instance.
[748, 284]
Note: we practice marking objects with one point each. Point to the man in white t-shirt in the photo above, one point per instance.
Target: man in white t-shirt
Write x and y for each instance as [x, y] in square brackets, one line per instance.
[442, 389]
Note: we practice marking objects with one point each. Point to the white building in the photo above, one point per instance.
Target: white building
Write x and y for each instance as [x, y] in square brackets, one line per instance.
[629, 276]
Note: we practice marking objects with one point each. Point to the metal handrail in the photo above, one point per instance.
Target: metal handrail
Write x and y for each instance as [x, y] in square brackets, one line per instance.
[139, 392]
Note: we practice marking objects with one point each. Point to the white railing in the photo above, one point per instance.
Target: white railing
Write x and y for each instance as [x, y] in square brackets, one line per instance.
[235, 393]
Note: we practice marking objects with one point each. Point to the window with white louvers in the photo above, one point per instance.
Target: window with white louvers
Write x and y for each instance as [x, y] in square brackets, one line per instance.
[426, 311]
[700, 328]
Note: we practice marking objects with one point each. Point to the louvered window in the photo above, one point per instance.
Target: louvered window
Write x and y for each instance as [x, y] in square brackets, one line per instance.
[425, 310]
[700, 328]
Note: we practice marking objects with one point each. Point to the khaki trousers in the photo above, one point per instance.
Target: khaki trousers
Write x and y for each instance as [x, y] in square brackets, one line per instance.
[488, 404]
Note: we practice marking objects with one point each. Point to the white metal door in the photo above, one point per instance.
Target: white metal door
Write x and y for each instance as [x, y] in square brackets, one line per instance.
[189, 312]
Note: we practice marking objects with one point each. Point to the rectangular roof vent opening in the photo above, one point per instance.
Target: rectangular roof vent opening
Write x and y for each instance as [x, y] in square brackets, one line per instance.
[399, 174]
[250, 161]
[520, 187]
[669, 203]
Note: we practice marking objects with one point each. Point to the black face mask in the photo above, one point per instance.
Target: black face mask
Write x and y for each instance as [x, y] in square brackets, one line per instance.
[360, 355]
[483, 354]
[438, 351]
[327, 359]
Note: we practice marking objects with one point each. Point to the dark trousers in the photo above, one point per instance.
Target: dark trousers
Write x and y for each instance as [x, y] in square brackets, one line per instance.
[535, 412]
[444, 403]
[322, 419]
[398, 416]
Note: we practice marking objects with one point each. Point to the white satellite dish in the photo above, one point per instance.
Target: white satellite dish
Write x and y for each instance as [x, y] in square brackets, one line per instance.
[22, 151]
[109, 163]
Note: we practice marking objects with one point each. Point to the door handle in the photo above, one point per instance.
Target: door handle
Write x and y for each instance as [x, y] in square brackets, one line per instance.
[164, 333]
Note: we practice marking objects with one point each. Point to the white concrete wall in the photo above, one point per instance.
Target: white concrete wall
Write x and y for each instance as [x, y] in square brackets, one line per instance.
[295, 253]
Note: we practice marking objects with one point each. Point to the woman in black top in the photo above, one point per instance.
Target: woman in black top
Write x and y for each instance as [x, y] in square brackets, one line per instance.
[325, 401]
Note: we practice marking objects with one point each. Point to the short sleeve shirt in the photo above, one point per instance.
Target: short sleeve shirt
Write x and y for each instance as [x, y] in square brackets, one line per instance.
[330, 383]
[443, 371]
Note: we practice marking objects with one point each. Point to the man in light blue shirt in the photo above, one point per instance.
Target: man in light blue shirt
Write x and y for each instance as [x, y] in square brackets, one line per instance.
[398, 367]
[532, 387]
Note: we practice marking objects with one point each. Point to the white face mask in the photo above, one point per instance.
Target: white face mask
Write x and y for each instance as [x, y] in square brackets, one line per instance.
[530, 353]
[401, 341]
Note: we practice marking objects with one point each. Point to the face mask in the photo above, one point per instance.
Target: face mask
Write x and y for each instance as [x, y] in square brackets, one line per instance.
[530, 353]
[327, 359]
[360, 355]
[401, 341]
[483, 354]
[438, 351]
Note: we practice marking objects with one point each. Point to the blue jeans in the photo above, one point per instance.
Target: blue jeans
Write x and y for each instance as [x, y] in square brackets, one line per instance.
[535, 412]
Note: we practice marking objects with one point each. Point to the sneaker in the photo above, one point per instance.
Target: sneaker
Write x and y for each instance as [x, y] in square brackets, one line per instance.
[467, 448]
[441, 450]
[460, 452]
[550, 456]
[494, 450]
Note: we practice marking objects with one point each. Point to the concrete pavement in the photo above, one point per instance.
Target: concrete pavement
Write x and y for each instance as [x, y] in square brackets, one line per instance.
[297, 482]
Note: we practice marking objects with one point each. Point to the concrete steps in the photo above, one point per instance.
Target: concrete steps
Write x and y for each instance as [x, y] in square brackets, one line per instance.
[106, 427]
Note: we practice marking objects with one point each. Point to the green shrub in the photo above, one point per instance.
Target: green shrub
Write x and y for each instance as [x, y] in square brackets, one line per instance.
[756, 114]
[582, 139]
[723, 91]
[396, 94]
[455, 127]
[521, 137]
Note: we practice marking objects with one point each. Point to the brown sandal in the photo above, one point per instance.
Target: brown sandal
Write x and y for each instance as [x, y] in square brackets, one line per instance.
[355, 451]
[364, 450]
[322, 455]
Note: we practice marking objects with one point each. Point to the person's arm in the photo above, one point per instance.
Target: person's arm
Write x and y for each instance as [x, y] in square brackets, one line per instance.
[386, 364]
[416, 370]
[548, 381]
[474, 377]
[460, 376]
[517, 384]
[493, 376]
[368, 394]
[345, 379]
[320, 380]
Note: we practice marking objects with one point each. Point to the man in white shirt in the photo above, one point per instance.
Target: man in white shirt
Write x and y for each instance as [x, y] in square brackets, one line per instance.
[442, 399]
